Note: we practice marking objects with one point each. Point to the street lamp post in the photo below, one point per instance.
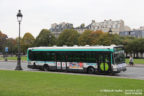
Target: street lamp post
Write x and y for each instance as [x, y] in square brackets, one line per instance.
[110, 31]
[19, 18]
[50, 40]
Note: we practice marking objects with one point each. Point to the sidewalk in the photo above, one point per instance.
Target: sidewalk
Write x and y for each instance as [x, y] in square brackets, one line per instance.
[136, 65]
[11, 61]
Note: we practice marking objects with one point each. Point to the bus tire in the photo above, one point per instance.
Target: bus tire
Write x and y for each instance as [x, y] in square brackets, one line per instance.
[45, 67]
[34, 66]
[90, 70]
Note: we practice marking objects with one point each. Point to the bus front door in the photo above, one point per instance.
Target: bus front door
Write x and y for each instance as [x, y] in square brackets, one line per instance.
[61, 63]
[104, 63]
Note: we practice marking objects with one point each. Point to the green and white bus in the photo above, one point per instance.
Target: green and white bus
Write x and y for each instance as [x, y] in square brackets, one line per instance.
[90, 59]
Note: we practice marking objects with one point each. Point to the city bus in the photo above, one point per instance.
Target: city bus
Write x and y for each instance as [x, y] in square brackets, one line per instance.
[90, 59]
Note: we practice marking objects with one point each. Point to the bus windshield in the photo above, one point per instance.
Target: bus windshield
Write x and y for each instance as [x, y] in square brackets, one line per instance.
[119, 58]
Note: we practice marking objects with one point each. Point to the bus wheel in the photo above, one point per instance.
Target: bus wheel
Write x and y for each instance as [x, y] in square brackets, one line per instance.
[45, 67]
[34, 66]
[90, 70]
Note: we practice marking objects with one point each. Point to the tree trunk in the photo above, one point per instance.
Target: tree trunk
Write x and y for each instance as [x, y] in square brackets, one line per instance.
[137, 55]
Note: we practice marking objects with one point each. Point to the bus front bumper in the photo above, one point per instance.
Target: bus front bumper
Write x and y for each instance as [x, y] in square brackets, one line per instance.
[120, 67]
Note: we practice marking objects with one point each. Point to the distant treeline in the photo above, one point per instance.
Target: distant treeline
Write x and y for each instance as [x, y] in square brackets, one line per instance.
[71, 37]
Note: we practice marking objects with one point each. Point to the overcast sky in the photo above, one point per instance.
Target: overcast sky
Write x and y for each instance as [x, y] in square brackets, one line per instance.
[39, 14]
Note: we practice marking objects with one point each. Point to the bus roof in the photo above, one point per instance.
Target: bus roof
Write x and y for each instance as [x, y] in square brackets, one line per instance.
[75, 48]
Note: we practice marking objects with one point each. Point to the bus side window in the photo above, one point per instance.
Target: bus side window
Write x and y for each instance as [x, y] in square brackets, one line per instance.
[96, 57]
[47, 56]
[58, 56]
[31, 55]
[70, 57]
[88, 57]
[61, 56]
[100, 58]
[52, 56]
[82, 57]
[40, 56]
[76, 56]
[93, 57]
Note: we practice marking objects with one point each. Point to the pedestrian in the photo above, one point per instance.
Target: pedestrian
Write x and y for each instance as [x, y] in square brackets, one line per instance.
[131, 61]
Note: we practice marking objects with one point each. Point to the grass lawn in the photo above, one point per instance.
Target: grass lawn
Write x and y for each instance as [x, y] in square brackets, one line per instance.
[1, 58]
[20, 83]
[136, 61]
[23, 58]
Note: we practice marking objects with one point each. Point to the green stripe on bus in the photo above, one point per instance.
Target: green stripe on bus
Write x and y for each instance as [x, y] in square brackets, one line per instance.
[27, 55]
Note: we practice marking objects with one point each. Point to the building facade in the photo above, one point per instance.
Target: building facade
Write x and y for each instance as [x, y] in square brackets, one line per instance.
[105, 26]
[134, 33]
[56, 29]
[141, 28]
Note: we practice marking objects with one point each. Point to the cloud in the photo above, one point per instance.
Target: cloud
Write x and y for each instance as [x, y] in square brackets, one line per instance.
[40, 14]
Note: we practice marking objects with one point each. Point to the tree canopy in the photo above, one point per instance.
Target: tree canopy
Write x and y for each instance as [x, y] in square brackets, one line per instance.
[71, 37]
[84, 38]
[12, 46]
[68, 37]
[27, 41]
[45, 38]
[3, 38]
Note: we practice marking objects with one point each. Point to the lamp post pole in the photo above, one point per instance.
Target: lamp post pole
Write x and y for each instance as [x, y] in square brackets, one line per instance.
[19, 18]
[110, 30]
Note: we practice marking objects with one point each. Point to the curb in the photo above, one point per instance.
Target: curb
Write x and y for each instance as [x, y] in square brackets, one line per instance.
[136, 65]
[11, 61]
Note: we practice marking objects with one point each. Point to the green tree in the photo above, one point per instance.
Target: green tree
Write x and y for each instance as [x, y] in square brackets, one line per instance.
[11, 44]
[116, 39]
[84, 38]
[45, 38]
[27, 41]
[141, 46]
[94, 37]
[127, 42]
[68, 37]
[82, 25]
[109, 39]
[3, 38]
[104, 39]
[134, 45]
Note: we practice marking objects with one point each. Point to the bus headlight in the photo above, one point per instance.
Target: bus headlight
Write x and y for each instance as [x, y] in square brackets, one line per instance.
[114, 67]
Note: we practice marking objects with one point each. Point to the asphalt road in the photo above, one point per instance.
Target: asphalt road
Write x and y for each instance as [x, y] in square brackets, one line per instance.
[135, 72]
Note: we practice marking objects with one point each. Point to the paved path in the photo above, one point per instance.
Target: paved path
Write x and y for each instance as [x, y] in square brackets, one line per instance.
[135, 72]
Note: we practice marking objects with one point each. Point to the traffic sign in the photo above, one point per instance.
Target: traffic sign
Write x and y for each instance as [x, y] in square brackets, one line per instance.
[6, 49]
